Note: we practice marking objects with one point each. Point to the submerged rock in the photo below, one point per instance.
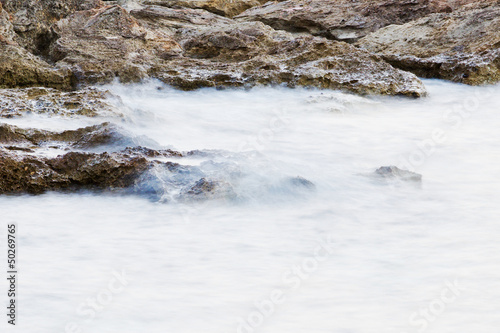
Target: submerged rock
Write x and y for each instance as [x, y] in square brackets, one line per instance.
[462, 46]
[205, 189]
[393, 172]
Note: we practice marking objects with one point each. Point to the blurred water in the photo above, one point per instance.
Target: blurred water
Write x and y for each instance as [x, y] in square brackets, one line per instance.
[392, 248]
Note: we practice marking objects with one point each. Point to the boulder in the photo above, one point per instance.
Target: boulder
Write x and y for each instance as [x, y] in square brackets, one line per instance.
[345, 20]
[462, 46]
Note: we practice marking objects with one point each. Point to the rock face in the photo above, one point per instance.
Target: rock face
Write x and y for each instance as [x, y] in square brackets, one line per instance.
[19, 68]
[463, 46]
[222, 52]
[228, 8]
[32, 19]
[101, 44]
[345, 20]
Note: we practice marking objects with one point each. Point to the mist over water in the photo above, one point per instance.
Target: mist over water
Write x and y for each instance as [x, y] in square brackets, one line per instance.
[393, 252]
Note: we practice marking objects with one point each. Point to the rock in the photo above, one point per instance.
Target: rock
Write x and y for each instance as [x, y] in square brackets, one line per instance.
[228, 8]
[32, 19]
[205, 189]
[33, 174]
[344, 20]
[89, 102]
[463, 46]
[101, 44]
[218, 52]
[98, 138]
[392, 172]
[192, 48]
[19, 68]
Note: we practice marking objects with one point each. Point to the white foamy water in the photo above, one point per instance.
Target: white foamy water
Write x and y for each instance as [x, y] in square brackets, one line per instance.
[357, 255]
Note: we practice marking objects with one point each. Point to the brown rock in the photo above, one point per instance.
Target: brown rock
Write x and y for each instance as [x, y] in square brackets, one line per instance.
[90, 102]
[462, 46]
[220, 52]
[101, 44]
[19, 68]
[228, 8]
[32, 19]
[345, 20]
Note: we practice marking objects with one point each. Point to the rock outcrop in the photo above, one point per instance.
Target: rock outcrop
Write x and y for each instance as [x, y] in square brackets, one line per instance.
[344, 20]
[32, 19]
[463, 46]
[89, 102]
[228, 8]
[20, 68]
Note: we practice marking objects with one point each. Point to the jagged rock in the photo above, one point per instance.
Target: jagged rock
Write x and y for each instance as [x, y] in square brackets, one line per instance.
[90, 102]
[19, 68]
[33, 174]
[463, 46]
[221, 52]
[192, 48]
[227, 8]
[102, 137]
[101, 44]
[344, 20]
[32, 19]
[393, 172]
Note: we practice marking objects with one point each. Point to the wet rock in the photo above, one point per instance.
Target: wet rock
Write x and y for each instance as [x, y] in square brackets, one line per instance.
[89, 102]
[462, 46]
[393, 172]
[227, 8]
[33, 174]
[98, 138]
[24, 170]
[344, 20]
[205, 189]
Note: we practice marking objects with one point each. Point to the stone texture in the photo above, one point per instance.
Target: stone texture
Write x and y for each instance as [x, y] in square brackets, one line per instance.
[228, 8]
[89, 102]
[345, 20]
[462, 46]
[32, 19]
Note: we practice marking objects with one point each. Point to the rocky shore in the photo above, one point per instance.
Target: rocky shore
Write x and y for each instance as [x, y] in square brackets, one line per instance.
[54, 53]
